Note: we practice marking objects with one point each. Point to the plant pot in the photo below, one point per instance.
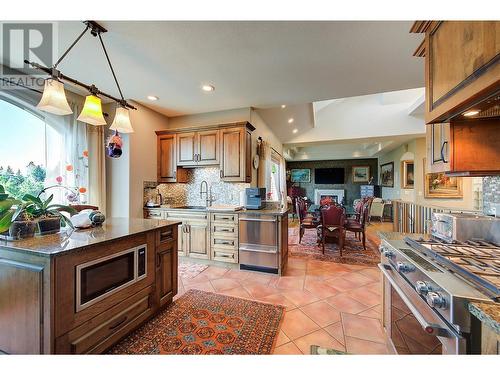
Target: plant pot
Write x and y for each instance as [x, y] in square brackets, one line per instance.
[49, 225]
[22, 229]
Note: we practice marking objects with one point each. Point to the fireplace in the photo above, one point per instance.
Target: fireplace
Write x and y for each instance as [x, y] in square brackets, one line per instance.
[337, 195]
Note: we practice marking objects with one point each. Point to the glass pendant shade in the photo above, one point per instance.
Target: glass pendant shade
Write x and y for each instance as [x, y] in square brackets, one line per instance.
[92, 111]
[121, 123]
[54, 98]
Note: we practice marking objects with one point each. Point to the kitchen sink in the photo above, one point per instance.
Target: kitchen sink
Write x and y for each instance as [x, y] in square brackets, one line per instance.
[192, 207]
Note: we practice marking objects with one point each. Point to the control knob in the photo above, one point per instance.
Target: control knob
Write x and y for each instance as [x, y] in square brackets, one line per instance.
[422, 287]
[435, 299]
[404, 267]
[388, 253]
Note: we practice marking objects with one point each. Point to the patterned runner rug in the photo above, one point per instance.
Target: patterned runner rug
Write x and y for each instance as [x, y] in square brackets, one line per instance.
[207, 323]
[188, 270]
[353, 252]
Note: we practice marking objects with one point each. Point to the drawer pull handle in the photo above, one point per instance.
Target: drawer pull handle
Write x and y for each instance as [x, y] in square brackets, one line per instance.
[225, 230]
[166, 236]
[119, 323]
[225, 256]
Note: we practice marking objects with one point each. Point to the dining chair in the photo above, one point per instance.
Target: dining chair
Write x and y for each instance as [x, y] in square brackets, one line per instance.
[332, 224]
[358, 227]
[305, 221]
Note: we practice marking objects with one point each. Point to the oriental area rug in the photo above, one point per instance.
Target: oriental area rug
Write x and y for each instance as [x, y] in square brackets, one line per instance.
[353, 252]
[207, 323]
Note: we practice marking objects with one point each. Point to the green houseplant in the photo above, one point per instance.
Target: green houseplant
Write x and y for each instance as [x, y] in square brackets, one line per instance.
[6, 211]
[48, 217]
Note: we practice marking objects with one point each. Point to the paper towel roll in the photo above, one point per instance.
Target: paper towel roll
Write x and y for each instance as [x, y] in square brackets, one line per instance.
[243, 198]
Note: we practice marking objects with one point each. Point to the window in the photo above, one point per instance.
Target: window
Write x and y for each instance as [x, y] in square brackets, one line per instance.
[275, 190]
[22, 151]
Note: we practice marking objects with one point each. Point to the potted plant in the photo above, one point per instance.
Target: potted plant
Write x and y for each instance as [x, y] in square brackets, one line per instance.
[6, 211]
[48, 217]
[22, 226]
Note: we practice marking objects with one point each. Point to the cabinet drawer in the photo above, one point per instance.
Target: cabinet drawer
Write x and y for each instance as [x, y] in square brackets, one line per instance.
[185, 216]
[230, 244]
[224, 229]
[89, 336]
[153, 214]
[224, 218]
[225, 256]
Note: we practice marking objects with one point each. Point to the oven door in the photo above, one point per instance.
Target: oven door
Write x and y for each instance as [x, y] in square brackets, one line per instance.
[413, 326]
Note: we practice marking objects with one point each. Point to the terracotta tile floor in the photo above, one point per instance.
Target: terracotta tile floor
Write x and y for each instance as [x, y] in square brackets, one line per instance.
[331, 305]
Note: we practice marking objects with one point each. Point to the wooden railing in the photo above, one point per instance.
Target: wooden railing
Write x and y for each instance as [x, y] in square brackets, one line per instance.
[411, 217]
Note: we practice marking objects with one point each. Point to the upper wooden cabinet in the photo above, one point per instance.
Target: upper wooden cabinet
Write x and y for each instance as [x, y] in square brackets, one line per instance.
[461, 65]
[198, 148]
[167, 160]
[226, 145]
[236, 155]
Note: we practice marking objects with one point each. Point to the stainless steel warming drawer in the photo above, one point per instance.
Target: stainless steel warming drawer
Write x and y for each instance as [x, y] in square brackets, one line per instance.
[259, 242]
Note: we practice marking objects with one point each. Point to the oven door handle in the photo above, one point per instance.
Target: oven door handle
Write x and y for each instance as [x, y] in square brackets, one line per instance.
[431, 328]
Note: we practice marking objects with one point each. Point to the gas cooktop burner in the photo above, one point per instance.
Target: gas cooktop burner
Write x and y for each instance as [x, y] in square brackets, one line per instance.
[476, 261]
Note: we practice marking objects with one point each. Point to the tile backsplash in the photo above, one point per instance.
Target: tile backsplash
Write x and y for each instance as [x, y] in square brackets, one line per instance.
[491, 195]
[189, 193]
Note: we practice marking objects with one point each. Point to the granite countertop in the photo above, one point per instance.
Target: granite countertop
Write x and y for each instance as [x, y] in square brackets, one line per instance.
[488, 313]
[264, 211]
[61, 243]
[399, 236]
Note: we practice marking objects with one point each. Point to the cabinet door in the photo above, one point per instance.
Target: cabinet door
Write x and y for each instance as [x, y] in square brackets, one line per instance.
[438, 147]
[186, 149]
[208, 147]
[198, 239]
[165, 275]
[233, 154]
[167, 166]
[182, 241]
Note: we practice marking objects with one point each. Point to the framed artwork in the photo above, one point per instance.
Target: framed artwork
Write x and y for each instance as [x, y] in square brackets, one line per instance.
[438, 185]
[387, 174]
[407, 174]
[300, 175]
[360, 173]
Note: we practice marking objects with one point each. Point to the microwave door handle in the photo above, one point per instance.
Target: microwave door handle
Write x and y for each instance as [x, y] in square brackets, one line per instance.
[434, 329]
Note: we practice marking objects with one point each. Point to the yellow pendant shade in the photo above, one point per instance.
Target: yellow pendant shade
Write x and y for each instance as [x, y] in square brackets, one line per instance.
[92, 111]
[54, 98]
[121, 123]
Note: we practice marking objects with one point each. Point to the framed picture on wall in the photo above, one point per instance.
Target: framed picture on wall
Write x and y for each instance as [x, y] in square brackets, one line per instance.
[387, 174]
[300, 175]
[361, 173]
[438, 185]
[407, 174]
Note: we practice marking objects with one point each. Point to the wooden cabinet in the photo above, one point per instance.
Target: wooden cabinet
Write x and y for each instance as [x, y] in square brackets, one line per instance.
[236, 155]
[166, 265]
[167, 170]
[226, 145]
[462, 65]
[438, 146]
[193, 234]
[224, 237]
[198, 148]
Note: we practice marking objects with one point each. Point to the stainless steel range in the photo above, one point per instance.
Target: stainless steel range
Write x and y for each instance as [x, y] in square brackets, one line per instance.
[428, 284]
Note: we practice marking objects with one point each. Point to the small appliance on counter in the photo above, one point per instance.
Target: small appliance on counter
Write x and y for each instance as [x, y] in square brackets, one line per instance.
[255, 198]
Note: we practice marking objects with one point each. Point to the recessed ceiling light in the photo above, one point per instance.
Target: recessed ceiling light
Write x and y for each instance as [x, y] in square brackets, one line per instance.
[153, 98]
[471, 113]
[290, 120]
[283, 106]
[208, 88]
[295, 131]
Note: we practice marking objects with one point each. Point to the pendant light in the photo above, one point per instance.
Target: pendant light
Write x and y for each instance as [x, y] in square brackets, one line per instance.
[121, 123]
[54, 98]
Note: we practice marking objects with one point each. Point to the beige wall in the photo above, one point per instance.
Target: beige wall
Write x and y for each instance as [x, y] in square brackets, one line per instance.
[416, 150]
[125, 175]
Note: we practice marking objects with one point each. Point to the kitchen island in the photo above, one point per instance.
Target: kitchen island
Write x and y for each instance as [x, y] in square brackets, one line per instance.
[222, 236]
[81, 291]
[488, 318]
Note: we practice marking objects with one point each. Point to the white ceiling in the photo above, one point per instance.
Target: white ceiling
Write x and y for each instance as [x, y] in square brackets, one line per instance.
[251, 64]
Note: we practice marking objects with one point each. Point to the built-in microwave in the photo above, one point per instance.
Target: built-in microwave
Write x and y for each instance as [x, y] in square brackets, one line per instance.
[99, 278]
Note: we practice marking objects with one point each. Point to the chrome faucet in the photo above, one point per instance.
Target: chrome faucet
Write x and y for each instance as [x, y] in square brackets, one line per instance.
[209, 198]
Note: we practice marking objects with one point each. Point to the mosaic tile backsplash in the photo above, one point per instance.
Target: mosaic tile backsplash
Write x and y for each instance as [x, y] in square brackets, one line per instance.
[189, 193]
[491, 195]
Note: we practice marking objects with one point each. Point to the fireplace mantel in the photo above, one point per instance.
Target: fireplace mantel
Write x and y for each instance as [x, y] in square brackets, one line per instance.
[318, 193]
